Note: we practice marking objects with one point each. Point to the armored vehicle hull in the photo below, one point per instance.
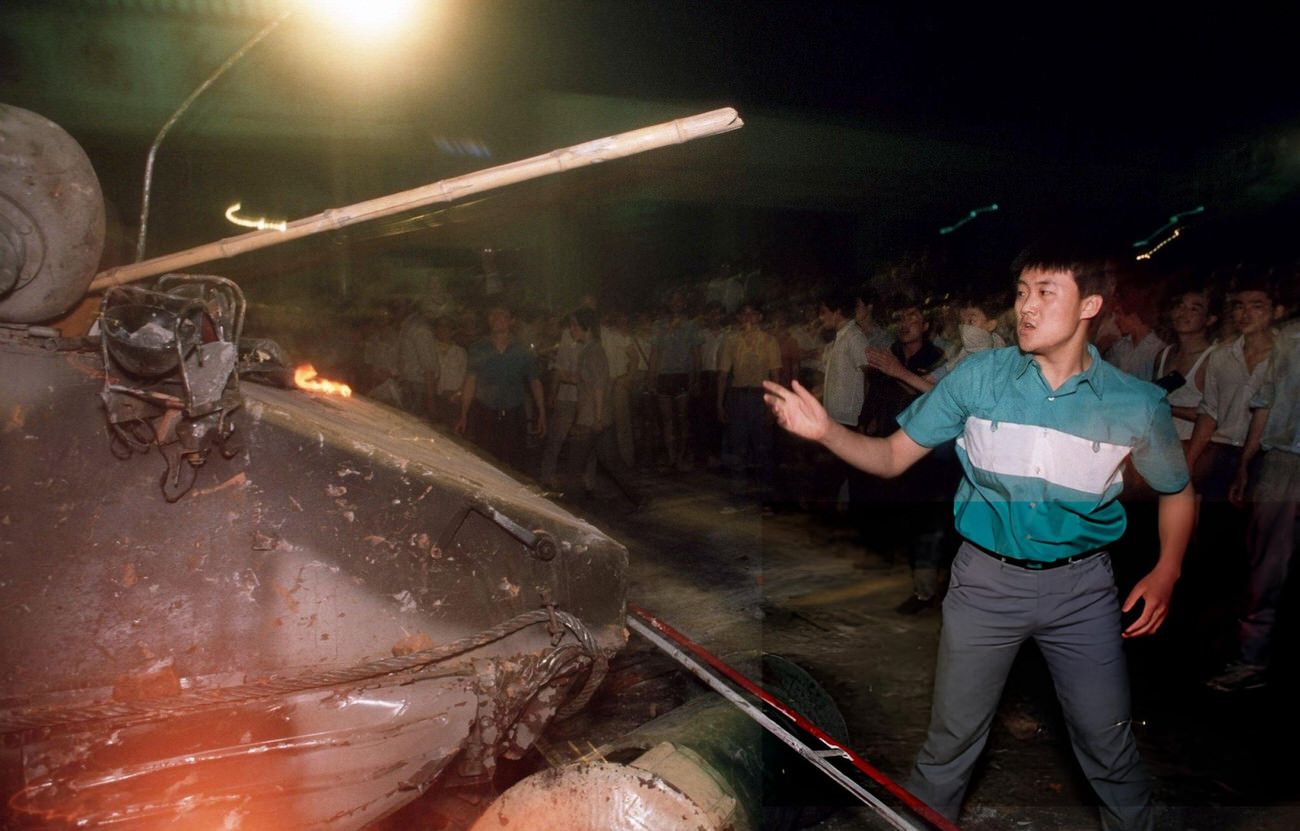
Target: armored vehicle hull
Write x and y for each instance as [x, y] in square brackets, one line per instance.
[238, 605]
[348, 607]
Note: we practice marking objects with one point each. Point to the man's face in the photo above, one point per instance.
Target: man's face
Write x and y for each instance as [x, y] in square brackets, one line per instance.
[1252, 312]
[499, 320]
[1127, 322]
[862, 311]
[749, 317]
[1191, 313]
[829, 318]
[911, 325]
[973, 316]
[1049, 309]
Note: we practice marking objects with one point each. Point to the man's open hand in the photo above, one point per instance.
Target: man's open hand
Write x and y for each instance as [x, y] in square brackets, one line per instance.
[797, 410]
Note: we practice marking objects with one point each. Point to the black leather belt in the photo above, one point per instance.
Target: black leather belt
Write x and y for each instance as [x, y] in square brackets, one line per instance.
[1038, 565]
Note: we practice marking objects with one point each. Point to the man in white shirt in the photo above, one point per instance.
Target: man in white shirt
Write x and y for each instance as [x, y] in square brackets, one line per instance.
[417, 364]
[1233, 374]
[843, 390]
[1136, 312]
[843, 393]
[621, 355]
[1268, 482]
[452, 360]
[563, 396]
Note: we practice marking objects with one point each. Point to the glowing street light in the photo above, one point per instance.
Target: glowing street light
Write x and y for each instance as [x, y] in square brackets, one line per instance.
[365, 17]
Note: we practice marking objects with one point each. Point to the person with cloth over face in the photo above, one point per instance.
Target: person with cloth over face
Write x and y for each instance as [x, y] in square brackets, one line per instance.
[1043, 430]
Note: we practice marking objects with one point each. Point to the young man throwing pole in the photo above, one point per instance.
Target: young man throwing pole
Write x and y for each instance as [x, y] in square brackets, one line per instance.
[1043, 430]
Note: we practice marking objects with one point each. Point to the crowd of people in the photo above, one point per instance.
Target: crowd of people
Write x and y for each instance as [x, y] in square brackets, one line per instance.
[596, 392]
[681, 390]
[685, 385]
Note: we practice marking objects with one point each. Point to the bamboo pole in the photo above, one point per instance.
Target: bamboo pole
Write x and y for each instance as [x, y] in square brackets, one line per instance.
[447, 190]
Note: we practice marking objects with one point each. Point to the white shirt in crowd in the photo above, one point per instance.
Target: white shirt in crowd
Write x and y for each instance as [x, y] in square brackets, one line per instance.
[1229, 386]
[416, 350]
[615, 344]
[1138, 360]
[843, 391]
[711, 341]
[452, 360]
[566, 363]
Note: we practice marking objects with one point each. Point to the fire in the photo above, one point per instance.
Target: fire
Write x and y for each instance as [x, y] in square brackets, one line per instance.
[305, 377]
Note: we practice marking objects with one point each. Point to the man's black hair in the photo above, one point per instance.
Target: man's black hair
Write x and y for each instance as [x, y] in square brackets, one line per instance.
[868, 296]
[1141, 298]
[1094, 270]
[586, 319]
[498, 303]
[1256, 278]
[839, 300]
[901, 301]
[991, 305]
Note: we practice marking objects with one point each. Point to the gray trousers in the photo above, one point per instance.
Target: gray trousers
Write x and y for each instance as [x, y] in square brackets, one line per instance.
[1072, 612]
[563, 414]
[1271, 542]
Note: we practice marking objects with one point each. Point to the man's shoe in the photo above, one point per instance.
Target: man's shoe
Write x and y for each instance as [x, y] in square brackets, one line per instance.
[1237, 677]
[915, 604]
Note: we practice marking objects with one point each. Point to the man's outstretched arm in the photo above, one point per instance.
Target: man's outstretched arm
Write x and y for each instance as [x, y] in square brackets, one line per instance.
[799, 412]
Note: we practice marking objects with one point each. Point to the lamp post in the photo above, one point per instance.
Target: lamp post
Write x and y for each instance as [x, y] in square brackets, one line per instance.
[185, 105]
[376, 13]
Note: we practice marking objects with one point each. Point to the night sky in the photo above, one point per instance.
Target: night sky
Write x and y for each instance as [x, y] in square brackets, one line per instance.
[1087, 114]
[1200, 101]
[1143, 78]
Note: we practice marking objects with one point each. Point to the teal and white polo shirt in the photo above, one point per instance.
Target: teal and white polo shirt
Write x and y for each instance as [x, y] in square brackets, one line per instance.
[1043, 467]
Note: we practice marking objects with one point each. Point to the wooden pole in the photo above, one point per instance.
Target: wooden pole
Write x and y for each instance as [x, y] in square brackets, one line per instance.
[447, 190]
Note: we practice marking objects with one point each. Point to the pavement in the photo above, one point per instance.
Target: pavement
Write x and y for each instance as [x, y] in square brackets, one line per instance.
[808, 589]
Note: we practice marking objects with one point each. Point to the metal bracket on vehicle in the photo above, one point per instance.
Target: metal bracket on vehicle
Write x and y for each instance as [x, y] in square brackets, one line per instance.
[171, 380]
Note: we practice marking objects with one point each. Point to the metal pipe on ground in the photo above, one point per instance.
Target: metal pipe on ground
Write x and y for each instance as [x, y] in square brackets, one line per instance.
[705, 765]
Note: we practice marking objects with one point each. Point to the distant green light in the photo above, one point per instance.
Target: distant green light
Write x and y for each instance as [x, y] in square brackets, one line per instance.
[968, 218]
[1173, 220]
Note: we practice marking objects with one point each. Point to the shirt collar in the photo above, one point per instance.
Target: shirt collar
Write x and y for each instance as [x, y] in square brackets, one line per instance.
[1092, 376]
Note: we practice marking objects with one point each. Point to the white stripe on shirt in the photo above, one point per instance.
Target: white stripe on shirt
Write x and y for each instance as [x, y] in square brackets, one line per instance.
[1059, 458]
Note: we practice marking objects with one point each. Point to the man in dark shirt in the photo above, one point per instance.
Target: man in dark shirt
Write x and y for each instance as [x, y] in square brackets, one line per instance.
[912, 510]
[502, 373]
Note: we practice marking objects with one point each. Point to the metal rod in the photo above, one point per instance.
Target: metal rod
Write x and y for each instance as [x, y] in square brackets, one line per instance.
[447, 190]
[667, 638]
[185, 105]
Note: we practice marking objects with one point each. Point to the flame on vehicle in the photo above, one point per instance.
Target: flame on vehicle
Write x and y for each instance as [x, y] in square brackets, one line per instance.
[305, 377]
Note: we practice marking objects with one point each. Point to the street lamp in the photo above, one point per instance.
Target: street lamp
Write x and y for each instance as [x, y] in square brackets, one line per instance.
[366, 18]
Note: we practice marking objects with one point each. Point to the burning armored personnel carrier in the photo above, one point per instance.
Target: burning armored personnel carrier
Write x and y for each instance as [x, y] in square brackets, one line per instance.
[232, 604]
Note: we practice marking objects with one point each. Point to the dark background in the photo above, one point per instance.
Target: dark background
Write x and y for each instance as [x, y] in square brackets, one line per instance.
[869, 128]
